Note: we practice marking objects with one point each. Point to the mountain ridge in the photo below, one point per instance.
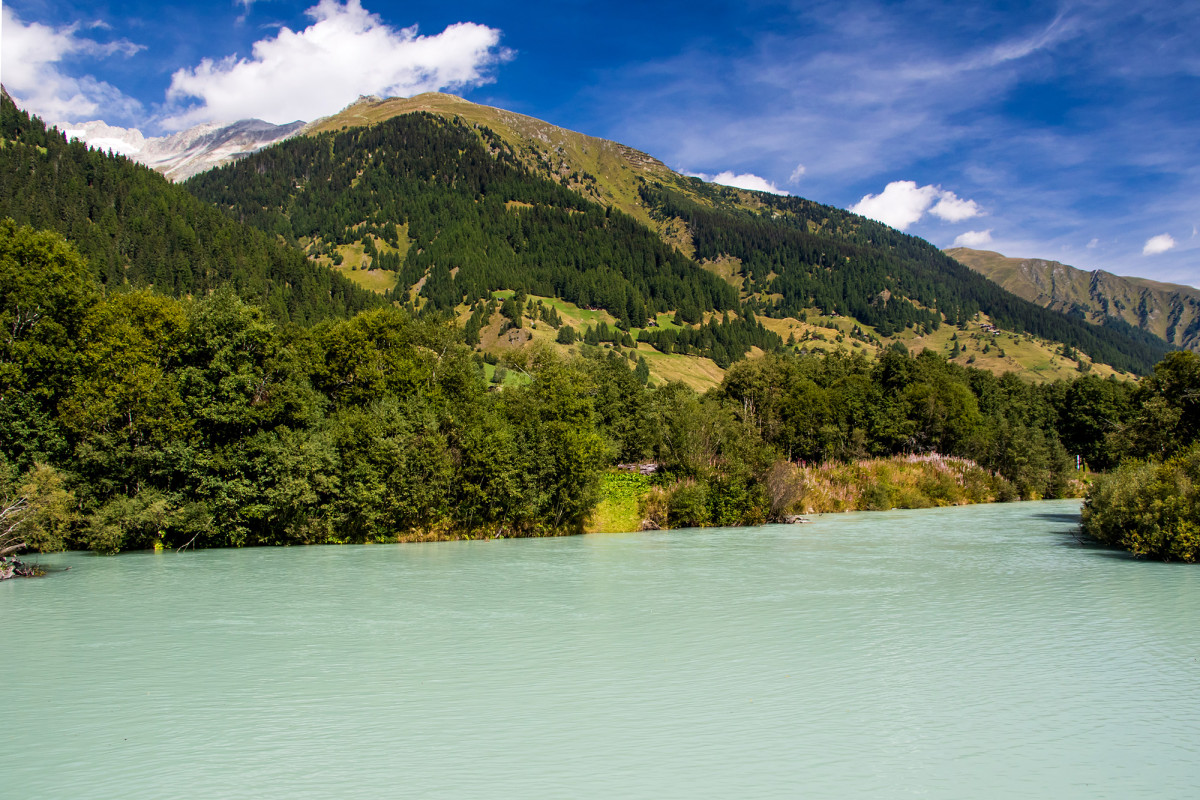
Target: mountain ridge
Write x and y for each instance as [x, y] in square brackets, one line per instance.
[602, 169]
[1169, 311]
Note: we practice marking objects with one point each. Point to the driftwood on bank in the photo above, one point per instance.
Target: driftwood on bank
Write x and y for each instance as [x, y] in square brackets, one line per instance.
[12, 568]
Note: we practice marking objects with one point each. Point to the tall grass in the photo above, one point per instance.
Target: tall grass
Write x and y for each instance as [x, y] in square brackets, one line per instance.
[914, 481]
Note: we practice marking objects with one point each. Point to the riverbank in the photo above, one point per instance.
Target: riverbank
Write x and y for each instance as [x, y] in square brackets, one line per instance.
[632, 502]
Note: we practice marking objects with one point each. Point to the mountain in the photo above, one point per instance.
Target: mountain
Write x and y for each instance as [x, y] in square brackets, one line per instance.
[138, 229]
[1168, 311]
[602, 170]
[184, 154]
[441, 203]
[459, 200]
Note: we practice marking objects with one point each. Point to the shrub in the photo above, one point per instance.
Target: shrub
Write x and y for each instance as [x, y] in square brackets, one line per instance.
[876, 497]
[37, 513]
[687, 505]
[1150, 509]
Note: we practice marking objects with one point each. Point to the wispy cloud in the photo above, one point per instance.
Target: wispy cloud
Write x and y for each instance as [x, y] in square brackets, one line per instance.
[850, 94]
[31, 63]
[346, 51]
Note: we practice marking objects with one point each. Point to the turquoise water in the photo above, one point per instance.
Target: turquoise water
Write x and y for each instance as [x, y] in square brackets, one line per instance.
[951, 653]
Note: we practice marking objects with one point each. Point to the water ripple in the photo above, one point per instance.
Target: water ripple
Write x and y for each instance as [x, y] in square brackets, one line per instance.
[937, 654]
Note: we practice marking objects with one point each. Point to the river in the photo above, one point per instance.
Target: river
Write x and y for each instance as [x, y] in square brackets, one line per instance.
[963, 652]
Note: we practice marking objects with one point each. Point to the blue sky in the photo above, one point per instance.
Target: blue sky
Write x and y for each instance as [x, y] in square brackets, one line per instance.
[1067, 131]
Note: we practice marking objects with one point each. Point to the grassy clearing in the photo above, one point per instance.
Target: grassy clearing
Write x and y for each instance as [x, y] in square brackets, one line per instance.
[1029, 357]
[353, 258]
[699, 373]
[509, 376]
[727, 268]
[617, 510]
[377, 280]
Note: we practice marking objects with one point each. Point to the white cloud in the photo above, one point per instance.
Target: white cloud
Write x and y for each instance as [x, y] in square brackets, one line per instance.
[346, 51]
[973, 238]
[798, 173]
[745, 180]
[30, 61]
[1093, 244]
[902, 203]
[1158, 244]
[952, 208]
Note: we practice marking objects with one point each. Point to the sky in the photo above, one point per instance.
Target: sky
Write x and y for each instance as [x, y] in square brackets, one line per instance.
[1069, 132]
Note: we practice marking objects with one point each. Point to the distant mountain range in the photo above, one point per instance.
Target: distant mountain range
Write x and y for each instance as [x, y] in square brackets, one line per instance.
[1169, 311]
[187, 153]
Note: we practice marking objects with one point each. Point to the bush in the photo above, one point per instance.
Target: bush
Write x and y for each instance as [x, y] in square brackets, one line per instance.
[876, 498]
[1148, 508]
[687, 505]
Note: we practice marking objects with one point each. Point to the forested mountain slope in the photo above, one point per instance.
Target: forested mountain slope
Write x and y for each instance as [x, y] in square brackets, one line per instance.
[1166, 310]
[600, 169]
[457, 215]
[805, 254]
[481, 210]
[135, 227]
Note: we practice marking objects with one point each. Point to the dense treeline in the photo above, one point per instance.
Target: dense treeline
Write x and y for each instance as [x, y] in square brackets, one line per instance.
[478, 220]
[844, 408]
[815, 255]
[135, 227]
[745, 452]
[129, 418]
[206, 422]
